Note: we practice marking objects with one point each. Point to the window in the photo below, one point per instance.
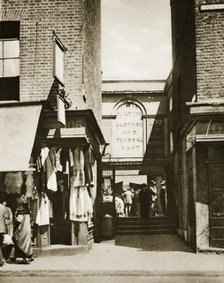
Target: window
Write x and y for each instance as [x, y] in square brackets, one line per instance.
[9, 60]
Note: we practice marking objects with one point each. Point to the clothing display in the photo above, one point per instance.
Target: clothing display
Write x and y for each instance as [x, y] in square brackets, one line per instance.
[44, 154]
[81, 208]
[50, 167]
[30, 193]
[88, 164]
[78, 176]
[43, 212]
[13, 182]
[57, 153]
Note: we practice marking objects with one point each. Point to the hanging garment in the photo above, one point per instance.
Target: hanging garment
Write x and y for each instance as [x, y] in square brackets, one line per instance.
[88, 164]
[50, 165]
[44, 154]
[78, 176]
[13, 182]
[57, 153]
[64, 160]
[43, 216]
[29, 184]
[71, 159]
[80, 205]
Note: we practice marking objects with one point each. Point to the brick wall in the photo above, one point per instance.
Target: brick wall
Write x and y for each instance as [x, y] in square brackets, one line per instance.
[38, 19]
[92, 55]
[210, 52]
[184, 70]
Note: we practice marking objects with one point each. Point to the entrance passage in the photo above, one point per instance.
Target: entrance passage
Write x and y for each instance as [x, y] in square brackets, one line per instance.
[138, 203]
[150, 226]
[127, 194]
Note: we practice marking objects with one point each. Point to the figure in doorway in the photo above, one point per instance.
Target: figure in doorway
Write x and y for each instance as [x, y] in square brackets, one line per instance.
[153, 206]
[119, 206]
[127, 197]
[163, 196]
[145, 198]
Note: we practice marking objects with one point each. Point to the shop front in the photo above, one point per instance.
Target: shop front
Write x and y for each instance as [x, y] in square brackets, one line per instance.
[202, 196]
[55, 167]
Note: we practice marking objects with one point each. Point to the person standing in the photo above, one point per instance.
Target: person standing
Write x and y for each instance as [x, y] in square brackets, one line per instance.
[22, 232]
[5, 239]
[153, 206]
[145, 198]
[127, 197]
[163, 196]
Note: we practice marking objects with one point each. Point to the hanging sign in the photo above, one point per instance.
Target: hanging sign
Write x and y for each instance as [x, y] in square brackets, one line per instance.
[61, 111]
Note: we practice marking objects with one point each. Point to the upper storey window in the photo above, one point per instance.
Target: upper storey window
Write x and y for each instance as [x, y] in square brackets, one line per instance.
[9, 60]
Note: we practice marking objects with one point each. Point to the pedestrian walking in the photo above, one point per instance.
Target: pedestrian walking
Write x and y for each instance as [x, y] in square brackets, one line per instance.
[22, 232]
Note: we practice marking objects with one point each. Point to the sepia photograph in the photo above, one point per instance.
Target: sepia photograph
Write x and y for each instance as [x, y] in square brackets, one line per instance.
[112, 141]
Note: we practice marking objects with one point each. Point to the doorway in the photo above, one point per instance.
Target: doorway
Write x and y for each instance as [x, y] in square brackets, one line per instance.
[216, 194]
[121, 190]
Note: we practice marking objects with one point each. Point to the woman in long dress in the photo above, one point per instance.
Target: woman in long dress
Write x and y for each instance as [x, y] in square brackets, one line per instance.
[22, 231]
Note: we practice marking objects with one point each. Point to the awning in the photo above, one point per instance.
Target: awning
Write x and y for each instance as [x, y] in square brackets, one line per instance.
[18, 125]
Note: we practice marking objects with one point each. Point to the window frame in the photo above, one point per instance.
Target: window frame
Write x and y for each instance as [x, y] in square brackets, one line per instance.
[4, 58]
[10, 83]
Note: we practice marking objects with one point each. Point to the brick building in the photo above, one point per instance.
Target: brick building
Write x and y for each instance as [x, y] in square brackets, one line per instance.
[195, 91]
[50, 102]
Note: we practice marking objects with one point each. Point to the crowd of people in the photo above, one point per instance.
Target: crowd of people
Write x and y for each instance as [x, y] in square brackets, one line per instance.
[15, 232]
[142, 202]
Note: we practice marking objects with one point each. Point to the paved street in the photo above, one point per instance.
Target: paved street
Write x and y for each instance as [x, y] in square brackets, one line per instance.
[148, 258]
[113, 279]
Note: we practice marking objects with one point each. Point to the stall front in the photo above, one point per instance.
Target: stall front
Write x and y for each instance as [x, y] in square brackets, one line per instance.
[55, 167]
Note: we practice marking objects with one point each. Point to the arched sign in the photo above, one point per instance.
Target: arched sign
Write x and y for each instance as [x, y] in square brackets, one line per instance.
[128, 132]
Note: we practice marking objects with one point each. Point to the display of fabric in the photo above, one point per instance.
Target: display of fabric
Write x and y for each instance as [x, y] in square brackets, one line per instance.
[64, 160]
[88, 164]
[50, 168]
[78, 176]
[44, 154]
[57, 153]
[13, 182]
[80, 204]
[43, 216]
[29, 184]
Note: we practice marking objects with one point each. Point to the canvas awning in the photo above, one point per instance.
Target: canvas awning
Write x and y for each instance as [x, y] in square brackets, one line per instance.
[18, 125]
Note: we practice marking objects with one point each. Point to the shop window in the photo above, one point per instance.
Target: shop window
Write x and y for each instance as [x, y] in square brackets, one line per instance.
[9, 60]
